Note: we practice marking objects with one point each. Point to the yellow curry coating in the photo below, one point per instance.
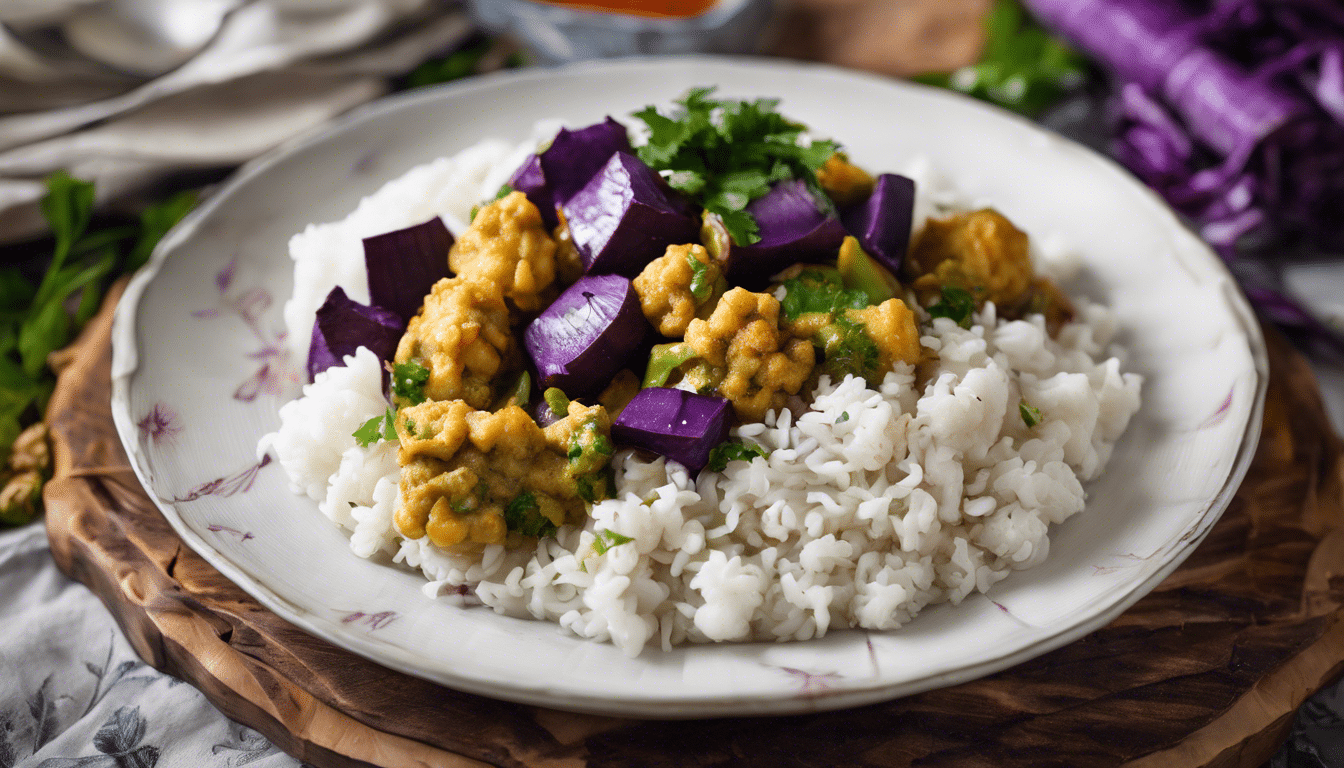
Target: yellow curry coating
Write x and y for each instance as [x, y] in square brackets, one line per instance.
[892, 327]
[507, 246]
[844, 182]
[981, 252]
[665, 287]
[462, 337]
[761, 365]
[462, 467]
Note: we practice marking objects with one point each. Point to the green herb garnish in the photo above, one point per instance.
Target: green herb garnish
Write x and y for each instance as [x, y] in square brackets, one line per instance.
[36, 320]
[957, 304]
[700, 282]
[842, 418]
[1022, 67]
[408, 382]
[733, 450]
[596, 486]
[524, 516]
[377, 429]
[819, 290]
[848, 348]
[1030, 414]
[604, 540]
[724, 154]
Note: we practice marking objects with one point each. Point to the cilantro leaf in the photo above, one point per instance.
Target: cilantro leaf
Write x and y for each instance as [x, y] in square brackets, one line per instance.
[1022, 67]
[733, 450]
[523, 515]
[957, 304]
[815, 290]
[604, 540]
[1031, 415]
[724, 154]
[596, 486]
[377, 429]
[408, 381]
[155, 221]
[848, 348]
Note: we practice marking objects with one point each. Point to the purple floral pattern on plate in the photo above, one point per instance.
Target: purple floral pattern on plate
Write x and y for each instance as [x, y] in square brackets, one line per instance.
[372, 620]
[242, 535]
[1220, 414]
[159, 426]
[229, 485]
[273, 373]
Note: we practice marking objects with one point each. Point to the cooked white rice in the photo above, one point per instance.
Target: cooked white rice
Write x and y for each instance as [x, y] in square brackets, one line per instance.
[871, 505]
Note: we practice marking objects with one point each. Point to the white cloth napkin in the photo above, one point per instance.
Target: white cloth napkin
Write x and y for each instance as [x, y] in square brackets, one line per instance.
[275, 69]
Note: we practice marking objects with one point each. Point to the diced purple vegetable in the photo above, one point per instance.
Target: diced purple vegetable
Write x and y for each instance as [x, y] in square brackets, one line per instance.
[680, 425]
[404, 264]
[882, 222]
[575, 156]
[626, 216]
[795, 225]
[586, 335]
[344, 325]
[542, 414]
[531, 181]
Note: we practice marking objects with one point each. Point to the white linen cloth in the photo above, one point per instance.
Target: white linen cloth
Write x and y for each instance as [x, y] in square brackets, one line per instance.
[275, 69]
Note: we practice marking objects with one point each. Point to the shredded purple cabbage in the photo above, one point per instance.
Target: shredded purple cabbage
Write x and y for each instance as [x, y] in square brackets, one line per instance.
[1233, 110]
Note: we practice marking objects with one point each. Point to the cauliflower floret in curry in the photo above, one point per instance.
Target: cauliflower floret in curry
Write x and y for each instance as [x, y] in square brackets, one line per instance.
[983, 253]
[761, 366]
[472, 477]
[678, 285]
[462, 337]
[507, 246]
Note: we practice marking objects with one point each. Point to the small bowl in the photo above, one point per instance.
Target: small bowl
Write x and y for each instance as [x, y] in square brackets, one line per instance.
[560, 34]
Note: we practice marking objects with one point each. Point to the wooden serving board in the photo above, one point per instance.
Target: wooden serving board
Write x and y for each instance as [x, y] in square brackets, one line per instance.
[1205, 671]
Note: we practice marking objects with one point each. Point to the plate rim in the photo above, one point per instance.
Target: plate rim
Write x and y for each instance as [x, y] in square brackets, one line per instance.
[125, 362]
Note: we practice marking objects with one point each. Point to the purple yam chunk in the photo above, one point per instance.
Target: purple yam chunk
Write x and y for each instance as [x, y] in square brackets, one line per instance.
[531, 181]
[344, 325]
[626, 216]
[680, 425]
[575, 156]
[403, 265]
[882, 222]
[795, 226]
[586, 335]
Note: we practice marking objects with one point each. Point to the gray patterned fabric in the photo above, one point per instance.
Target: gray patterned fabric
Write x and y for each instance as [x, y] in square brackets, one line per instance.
[73, 692]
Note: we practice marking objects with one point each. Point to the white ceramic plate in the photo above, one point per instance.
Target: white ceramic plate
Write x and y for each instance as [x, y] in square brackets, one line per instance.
[198, 376]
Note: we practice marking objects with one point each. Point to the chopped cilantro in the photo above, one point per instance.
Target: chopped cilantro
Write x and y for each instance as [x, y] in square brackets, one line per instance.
[818, 290]
[410, 426]
[589, 448]
[842, 418]
[733, 450]
[848, 348]
[596, 486]
[504, 192]
[725, 154]
[408, 382]
[523, 515]
[604, 540]
[957, 304]
[700, 283]
[1030, 414]
[376, 429]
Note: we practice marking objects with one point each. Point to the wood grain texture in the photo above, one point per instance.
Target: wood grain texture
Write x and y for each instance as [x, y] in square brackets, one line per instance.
[1205, 671]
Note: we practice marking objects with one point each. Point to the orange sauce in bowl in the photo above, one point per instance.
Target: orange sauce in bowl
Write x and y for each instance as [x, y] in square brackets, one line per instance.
[659, 8]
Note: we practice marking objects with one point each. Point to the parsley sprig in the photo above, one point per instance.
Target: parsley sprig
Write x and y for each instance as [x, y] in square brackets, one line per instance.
[377, 429]
[724, 154]
[1022, 66]
[36, 320]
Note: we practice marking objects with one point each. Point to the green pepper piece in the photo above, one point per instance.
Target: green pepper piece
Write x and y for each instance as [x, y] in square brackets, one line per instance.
[665, 358]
